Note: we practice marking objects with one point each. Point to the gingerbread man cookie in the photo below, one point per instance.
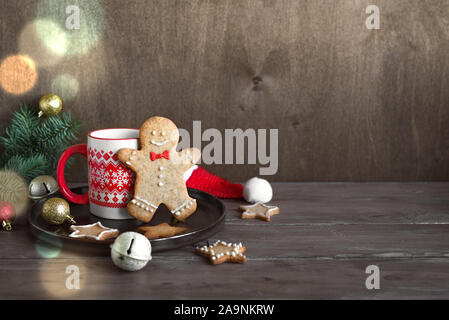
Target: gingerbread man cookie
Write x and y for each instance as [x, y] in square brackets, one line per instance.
[160, 171]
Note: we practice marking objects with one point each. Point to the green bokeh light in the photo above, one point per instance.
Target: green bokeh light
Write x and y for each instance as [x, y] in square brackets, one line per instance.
[79, 41]
[53, 36]
[65, 86]
[44, 41]
[48, 248]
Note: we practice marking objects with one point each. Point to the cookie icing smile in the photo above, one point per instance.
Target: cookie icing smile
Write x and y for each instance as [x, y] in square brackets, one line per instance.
[157, 143]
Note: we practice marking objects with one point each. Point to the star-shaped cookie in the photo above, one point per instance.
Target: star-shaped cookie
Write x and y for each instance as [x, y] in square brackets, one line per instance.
[223, 252]
[259, 210]
[163, 230]
[95, 231]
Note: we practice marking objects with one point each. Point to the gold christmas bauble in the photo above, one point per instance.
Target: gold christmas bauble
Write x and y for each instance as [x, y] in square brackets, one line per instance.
[56, 211]
[50, 105]
[41, 187]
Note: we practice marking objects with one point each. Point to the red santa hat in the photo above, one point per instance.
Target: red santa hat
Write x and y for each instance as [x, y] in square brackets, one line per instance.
[255, 189]
[199, 178]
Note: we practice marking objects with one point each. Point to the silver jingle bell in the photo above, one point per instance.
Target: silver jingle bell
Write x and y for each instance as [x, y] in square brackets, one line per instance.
[41, 187]
[131, 251]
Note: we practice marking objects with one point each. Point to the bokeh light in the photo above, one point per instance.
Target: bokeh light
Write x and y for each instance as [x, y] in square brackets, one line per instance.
[44, 41]
[18, 74]
[58, 278]
[91, 18]
[65, 86]
[14, 190]
[48, 248]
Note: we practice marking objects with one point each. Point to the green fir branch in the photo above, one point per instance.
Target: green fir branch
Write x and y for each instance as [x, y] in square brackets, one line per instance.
[32, 146]
[57, 132]
[30, 167]
[20, 136]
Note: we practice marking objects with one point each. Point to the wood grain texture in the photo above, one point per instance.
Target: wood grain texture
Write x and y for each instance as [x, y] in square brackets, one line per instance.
[276, 279]
[350, 104]
[317, 247]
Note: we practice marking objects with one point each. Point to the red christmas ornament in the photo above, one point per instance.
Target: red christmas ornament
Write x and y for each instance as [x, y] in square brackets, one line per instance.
[7, 215]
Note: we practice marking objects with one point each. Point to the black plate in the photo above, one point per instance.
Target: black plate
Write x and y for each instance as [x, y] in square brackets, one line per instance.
[204, 223]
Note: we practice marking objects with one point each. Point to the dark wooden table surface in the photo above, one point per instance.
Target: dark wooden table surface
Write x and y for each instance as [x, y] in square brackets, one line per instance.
[318, 247]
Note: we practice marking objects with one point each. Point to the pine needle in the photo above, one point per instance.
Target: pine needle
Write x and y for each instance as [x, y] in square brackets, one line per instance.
[29, 168]
[32, 146]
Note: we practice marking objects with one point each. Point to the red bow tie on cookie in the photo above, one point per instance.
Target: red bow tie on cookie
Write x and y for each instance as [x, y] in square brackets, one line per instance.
[155, 156]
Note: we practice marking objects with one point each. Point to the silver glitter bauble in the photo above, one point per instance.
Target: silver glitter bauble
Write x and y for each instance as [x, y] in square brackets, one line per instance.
[131, 251]
[41, 187]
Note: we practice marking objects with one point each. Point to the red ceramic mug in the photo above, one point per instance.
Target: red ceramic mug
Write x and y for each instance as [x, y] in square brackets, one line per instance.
[110, 182]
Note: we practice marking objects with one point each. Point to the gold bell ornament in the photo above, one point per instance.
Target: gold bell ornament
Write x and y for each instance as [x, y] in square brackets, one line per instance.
[56, 211]
[41, 187]
[50, 105]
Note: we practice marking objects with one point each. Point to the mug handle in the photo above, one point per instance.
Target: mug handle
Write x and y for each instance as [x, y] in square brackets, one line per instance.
[69, 195]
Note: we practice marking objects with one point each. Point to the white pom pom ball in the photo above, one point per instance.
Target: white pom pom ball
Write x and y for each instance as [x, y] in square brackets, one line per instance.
[257, 190]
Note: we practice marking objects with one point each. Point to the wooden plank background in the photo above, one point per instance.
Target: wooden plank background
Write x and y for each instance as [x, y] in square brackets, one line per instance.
[350, 104]
[318, 247]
